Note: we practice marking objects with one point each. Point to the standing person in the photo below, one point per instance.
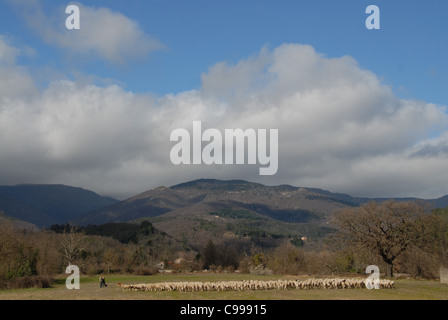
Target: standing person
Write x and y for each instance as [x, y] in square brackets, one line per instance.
[102, 281]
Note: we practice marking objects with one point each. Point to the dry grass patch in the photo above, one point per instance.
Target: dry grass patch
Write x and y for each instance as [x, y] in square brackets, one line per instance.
[90, 290]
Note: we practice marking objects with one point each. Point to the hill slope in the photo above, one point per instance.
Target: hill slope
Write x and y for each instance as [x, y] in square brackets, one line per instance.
[228, 211]
[232, 211]
[44, 205]
[283, 203]
[192, 212]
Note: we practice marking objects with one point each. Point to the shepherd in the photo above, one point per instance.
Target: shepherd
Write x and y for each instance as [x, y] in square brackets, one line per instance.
[102, 281]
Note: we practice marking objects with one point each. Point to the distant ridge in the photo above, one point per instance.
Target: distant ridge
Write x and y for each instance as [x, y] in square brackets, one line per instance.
[274, 201]
[46, 204]
[233, 210]
[216, 184]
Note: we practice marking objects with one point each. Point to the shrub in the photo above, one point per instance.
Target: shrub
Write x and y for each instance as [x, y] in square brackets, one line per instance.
[30, 282]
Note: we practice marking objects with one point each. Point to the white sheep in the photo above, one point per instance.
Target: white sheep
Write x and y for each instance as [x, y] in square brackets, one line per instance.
[333, 283]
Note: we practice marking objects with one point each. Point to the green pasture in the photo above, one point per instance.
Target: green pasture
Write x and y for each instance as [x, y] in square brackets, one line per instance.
[405, 289]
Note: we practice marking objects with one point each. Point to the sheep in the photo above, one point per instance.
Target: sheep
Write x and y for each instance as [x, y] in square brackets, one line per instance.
[333, 283]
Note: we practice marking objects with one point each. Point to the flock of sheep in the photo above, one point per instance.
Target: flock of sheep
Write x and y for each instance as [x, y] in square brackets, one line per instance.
[256, 285]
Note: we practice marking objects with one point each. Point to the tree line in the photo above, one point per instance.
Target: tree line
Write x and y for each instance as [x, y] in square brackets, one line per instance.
[399, 237]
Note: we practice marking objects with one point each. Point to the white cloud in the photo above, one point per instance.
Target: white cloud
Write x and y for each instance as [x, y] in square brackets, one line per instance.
[339, 127]
[15, 82]
[109, 35]
[8, 53]
[104, 34]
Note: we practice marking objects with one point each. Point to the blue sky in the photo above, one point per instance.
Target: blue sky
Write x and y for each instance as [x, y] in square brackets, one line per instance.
[358, 111]
[409, 52]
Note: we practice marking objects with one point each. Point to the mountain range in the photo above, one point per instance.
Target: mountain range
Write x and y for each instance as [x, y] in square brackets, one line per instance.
[192, 211]
[44, 205]
[284, 203]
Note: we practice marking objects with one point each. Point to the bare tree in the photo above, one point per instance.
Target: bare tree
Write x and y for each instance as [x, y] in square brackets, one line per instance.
[72, 244]
[389, 228]
[109, 257]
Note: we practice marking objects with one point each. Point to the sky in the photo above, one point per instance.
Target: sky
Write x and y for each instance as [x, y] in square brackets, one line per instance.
[359, 111]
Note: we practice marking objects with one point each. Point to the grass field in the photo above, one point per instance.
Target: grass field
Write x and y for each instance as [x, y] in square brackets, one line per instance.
[90, 290]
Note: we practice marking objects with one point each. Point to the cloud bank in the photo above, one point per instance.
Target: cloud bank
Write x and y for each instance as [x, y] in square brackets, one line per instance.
[104, 34]
[340, 128]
